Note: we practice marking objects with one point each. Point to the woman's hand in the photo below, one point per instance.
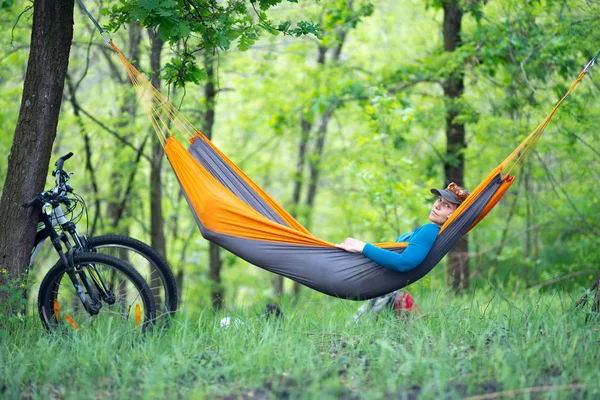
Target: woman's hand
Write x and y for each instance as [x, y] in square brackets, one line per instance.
[352, 245]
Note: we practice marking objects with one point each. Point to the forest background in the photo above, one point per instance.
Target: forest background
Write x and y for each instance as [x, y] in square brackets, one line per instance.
[348, 131]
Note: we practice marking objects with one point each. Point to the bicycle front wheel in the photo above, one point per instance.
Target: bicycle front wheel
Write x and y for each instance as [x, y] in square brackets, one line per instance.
[148, 262]
[121, 295]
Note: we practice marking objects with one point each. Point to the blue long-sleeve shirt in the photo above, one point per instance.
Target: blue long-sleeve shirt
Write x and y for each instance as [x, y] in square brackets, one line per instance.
[419, 243]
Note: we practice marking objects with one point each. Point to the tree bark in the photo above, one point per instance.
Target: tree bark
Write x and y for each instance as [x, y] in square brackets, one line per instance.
[305, 133]
[210, 95]
[305, 128]
[317, 157]
[454, 163]
[51, 37]
[128, 111]
[528, 271]
[157, 226]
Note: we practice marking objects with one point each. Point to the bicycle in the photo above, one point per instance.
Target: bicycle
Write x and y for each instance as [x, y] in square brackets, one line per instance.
[83, 249]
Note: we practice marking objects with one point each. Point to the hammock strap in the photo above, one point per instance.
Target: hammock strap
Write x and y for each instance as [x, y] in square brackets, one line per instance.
[103, 32]
[523, 152]
[164, 116]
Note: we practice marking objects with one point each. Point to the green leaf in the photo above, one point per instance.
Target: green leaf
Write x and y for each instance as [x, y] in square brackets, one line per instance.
[148, 5]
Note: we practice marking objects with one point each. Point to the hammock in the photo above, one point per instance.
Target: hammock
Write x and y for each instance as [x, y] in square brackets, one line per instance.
[236, 214]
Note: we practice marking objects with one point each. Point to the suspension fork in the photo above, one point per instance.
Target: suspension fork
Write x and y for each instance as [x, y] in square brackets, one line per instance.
[70, 266]
[94, 303]
[81, 244]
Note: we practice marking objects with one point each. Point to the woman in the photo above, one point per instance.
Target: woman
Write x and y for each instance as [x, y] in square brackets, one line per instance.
[420, 241]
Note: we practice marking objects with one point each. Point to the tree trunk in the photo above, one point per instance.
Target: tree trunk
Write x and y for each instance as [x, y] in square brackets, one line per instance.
[210, 94]
[51, 37]
[315, 171]
[315, 164]
[157, 233]
[529, 242]
[454, 163]
[306, 128]
[128, 111]
[317, 157]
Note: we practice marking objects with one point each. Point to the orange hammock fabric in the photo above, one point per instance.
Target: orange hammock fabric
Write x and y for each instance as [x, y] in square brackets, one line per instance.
[234, 212]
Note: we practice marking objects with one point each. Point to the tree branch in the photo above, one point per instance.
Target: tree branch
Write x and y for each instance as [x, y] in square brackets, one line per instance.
[411, 84]
[112, 132]
[130, 181]
[563, 278]
[556, 186]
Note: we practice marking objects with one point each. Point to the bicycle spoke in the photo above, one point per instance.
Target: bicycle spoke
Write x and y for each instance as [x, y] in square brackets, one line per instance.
[69, 287]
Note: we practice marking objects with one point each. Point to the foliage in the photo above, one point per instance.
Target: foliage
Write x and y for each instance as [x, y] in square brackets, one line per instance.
[14, 306]
[205, 25]
[217, 24]
[183, 70]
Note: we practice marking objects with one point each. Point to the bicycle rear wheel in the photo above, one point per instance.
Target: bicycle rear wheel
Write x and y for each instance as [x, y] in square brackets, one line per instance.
[124, 297]
[148, 262]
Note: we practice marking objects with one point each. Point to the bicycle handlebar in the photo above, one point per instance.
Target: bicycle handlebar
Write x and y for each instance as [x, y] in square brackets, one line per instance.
[56, 193]
[61, 161]
[48, 197]
[59, 172]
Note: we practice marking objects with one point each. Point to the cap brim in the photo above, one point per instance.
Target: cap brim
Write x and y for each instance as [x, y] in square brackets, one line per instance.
[448, 196]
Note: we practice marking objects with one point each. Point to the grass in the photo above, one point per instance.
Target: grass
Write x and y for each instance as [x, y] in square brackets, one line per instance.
[485, 345]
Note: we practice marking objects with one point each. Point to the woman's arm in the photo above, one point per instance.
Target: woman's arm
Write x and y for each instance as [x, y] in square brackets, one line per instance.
[413, 255]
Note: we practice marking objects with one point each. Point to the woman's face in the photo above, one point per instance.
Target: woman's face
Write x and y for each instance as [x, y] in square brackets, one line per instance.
[441, 211]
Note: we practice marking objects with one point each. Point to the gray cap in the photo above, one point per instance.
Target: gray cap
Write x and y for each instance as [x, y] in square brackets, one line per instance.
[448, 195]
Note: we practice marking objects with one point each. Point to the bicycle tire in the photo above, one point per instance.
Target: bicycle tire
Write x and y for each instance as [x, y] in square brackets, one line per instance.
[133, 291]
[107, 243]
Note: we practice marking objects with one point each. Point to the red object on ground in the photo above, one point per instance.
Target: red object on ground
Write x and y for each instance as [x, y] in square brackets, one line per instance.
[404, 304]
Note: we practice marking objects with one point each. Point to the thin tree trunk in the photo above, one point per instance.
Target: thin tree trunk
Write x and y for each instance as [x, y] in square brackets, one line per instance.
[316, 157]
[306, 127]
[314, 165]
[210, 95]
[528, 225]
[454, 164]
[157, 226]
[128, 112]
[315, 173]
[315, 160]
[51, 37]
